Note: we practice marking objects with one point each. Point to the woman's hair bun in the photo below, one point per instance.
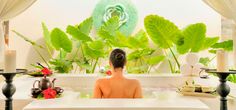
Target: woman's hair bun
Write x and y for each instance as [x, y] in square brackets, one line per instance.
[119, 56]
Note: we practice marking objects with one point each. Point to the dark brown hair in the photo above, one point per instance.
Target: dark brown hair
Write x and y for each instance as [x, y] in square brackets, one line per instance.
[118, 58]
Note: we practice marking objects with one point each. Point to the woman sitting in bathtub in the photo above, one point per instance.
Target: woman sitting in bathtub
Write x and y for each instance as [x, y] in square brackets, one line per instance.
[118, 86]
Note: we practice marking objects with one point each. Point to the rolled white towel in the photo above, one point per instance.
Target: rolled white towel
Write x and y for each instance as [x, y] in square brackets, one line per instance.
[196, 69]
[192, 59]
[186, 69]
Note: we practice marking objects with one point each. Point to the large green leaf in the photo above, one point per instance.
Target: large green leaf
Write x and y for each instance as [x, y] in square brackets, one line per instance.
[142, 38]
[92, 53]
[140, 53]
[86, 26]
[97, 45]
[112, 25]
[105, 35]
[205, 61]
[139, 40]
[212, 51]
[134, 55]
[155, 60]
[46, 35]
[181, 44]
[193, 38]
[119, 40]
[209, 42]
[160, 30]
[147, 51]
[109, 29]
[61, 65]
[133, 42]
[226, 45]
[60, 40]
[77, 34]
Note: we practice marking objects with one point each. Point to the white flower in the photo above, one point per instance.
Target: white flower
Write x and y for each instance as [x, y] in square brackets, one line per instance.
[192, 67]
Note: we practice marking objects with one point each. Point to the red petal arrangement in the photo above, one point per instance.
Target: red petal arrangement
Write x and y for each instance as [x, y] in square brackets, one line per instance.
[49, 93]
[46, 71]
[108, 72]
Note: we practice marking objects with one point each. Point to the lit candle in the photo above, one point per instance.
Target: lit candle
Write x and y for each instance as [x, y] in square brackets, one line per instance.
[10, 61]
[222, 60]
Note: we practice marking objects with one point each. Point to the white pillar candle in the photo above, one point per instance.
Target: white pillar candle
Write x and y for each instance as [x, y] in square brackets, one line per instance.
[10, 61]
[222, 60]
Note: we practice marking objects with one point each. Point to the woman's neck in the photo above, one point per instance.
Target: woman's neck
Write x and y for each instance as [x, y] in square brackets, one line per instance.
[117, 73]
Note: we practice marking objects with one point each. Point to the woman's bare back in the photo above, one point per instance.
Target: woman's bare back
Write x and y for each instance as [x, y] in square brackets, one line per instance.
[117, 88]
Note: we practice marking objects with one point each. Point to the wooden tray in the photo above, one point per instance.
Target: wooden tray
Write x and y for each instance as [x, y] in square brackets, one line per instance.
[198, 94]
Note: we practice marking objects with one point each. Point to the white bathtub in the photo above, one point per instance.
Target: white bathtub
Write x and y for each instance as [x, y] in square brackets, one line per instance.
[158, 89]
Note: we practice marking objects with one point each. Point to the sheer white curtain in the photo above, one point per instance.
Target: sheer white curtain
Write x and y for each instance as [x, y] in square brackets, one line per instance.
[226, 8]
[8, 10]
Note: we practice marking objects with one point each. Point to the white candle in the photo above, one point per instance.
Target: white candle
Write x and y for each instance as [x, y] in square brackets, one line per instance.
[10, 61]
[222, 60]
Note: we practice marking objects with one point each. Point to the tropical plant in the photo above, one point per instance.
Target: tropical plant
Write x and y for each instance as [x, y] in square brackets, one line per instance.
[168, 36]
[77, 47]
[164, 34]
[140, 56]
[60, 63]
[92, 49]
[80, 41]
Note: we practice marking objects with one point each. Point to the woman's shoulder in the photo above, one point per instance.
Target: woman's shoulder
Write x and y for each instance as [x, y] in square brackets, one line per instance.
[135, 81]
[101, 80]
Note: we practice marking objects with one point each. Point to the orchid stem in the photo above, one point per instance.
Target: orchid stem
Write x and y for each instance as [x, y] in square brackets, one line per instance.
[49, 52]
[41, 56]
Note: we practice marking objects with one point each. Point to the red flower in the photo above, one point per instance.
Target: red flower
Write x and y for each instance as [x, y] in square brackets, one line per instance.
[108, 72]
[49, 93]
[46, 71]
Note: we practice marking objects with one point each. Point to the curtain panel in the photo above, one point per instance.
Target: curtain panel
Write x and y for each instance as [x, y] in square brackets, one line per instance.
[226, 8]
[8, 10]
